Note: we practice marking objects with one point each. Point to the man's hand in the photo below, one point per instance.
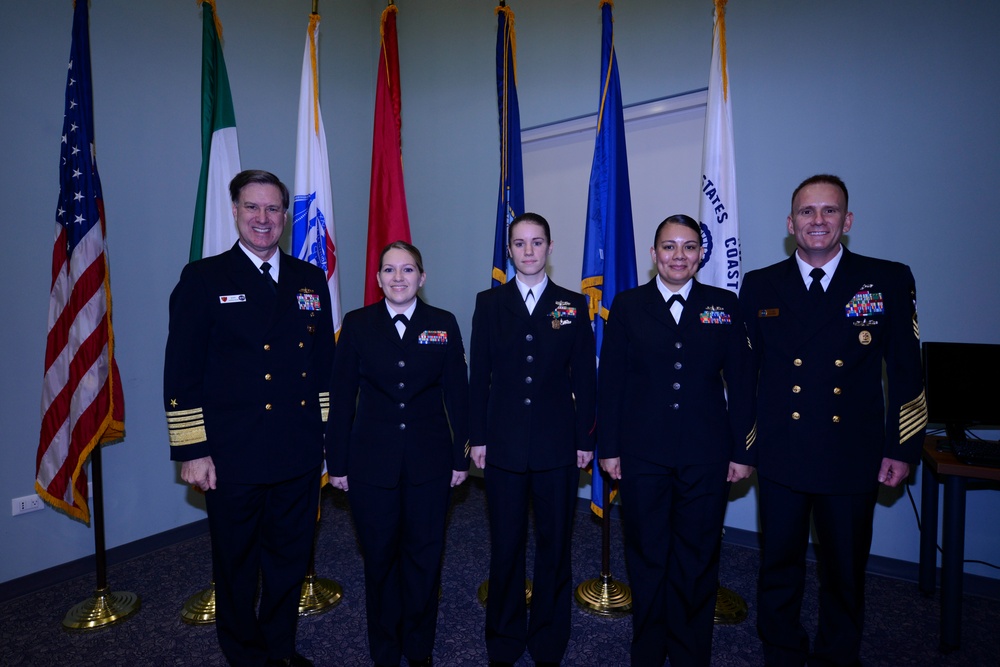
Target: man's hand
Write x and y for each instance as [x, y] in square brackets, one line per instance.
[893, 472]
[583, 458]
[199, 472]
[479, 456]
[738, 471]
[458, 476]
[613, 467]
[339, 482]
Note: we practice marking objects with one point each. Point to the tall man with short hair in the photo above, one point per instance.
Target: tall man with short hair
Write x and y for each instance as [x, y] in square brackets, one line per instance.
[245, 388]
[822, 323]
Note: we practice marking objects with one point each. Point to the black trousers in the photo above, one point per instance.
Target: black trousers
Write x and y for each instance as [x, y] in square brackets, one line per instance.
[672, 520]
[402, 533]
[844, 531]
[552, 494]
[265, 531]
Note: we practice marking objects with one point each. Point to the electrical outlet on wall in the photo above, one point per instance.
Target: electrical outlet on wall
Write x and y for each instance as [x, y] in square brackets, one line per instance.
[26, 504]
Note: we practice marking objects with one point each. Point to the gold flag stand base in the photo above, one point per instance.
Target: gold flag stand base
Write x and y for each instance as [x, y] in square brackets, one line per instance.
[484, 591]
[199, 609]
[105, 608]
[319, 595]
[604, 596]
[730, 608]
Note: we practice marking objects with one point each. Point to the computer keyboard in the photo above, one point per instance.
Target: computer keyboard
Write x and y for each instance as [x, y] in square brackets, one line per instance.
[977, 452]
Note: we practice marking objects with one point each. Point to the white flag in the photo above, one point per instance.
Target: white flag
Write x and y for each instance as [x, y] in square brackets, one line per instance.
[313, 237]
[718, 215]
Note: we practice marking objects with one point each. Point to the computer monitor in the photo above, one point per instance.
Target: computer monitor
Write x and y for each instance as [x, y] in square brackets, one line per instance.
[962, 383]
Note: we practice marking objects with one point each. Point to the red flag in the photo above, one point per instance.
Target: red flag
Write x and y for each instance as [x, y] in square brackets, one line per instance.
[387, 219]
[82, 404]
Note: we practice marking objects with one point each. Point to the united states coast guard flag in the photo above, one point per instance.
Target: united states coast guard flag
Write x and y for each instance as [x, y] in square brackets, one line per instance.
[214, 229]
[720, 227]
[82, 402]
[510, 202]
[609, 248]
[313, 236]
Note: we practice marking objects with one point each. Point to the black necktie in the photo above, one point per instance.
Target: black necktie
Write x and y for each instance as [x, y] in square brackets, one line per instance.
[401, 319]
[816, 286]
[529, 301]
[265, 269]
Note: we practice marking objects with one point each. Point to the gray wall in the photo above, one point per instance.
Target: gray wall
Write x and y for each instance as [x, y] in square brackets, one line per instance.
[898, 98]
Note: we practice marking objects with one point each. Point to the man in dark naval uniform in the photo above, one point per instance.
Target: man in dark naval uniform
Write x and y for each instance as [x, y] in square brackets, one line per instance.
[245, 388]
[822, 323]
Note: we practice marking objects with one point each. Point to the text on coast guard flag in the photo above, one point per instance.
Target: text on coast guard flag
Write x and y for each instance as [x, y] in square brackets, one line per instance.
[387, 218]
[510, 201]
[720, 227]
[214, 230]
[313, 237]
[82, 401]
[609, 246]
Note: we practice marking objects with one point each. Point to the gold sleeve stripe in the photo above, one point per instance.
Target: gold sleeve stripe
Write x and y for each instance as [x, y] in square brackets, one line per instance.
[916, 327]
[186, 427]
[912, 417]
[468, 448]
[752, 436]
[749, 344]
[324, 405]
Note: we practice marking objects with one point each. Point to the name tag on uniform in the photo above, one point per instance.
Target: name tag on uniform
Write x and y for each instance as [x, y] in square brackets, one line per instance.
[233, 298]
[433, 338]
[767, 312]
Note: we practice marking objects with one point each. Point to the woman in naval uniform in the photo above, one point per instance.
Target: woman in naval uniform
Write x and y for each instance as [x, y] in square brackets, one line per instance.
[668, 434]
[398, 431]
[533, 398]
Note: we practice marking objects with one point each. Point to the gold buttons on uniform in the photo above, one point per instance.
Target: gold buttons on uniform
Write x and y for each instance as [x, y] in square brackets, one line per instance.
[795, 415]
[303, 373]
[267, 376]
[838, 363]
[837, 391]
[796, 389]
[836, 419]
[797, 362]
[302, 403]
[267, 406]
[301, 345]
[267, 347]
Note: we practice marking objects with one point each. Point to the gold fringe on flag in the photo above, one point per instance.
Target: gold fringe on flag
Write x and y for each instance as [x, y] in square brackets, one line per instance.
[720, 13]
[215, 16]
[313, 26]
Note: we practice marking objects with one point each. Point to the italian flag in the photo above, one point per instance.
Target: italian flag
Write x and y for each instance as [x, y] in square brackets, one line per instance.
[214, 228]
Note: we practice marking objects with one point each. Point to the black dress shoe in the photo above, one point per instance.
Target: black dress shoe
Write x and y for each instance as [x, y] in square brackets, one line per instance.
[426, 662]
[295, 660]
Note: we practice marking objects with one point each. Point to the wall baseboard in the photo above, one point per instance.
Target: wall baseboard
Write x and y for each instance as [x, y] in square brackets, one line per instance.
[36, 581]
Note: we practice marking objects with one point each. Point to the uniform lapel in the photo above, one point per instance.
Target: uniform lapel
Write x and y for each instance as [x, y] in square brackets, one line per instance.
[695, 303]
[385, 326]
[657, 307]
[250, 281]
[512, 301]
[415, 326]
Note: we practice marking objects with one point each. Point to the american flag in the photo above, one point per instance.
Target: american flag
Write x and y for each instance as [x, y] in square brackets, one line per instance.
[82, 403]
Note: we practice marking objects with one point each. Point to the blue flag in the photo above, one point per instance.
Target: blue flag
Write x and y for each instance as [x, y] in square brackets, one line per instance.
[609, 248]
[510, 202]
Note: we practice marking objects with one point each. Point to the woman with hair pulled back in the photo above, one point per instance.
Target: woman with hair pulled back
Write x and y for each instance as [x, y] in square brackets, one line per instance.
[398, 431]
[532, 420]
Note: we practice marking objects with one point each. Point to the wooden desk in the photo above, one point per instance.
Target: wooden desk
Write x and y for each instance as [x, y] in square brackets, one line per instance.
[943, 467]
